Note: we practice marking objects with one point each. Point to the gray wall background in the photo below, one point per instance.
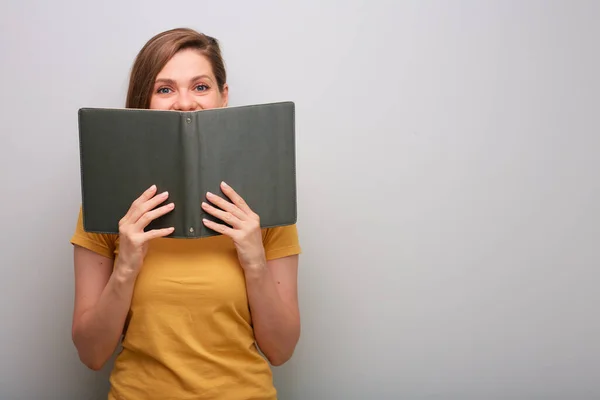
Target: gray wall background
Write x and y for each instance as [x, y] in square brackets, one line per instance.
[448, 157]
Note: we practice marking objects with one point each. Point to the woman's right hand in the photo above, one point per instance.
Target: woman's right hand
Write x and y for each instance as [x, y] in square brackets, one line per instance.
[132, 237]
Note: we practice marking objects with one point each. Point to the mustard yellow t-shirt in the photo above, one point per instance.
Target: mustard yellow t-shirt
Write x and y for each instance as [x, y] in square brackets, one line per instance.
[189, 331]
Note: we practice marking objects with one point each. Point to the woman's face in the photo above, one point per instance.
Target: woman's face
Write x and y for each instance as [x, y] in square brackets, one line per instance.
[187, 83]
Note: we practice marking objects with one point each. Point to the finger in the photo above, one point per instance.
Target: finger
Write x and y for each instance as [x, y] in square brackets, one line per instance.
[220, 228]
[148, 205]
[146, 195]
[235, 198]
[157, 233]
[226, 205]
[150, 216]
[224, 216]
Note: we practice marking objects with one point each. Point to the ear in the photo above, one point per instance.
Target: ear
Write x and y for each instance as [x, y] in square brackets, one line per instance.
[225, 95]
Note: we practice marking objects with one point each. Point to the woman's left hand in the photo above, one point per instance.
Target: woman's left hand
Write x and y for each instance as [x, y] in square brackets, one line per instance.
[245, 228]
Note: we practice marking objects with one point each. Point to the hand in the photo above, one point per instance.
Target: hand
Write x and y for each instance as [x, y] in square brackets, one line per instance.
[245, 226]
[133, 239]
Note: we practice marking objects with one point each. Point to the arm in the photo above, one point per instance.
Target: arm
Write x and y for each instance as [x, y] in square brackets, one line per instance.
[103, 291]
[102, 301]
[273, 297]
[271, 285]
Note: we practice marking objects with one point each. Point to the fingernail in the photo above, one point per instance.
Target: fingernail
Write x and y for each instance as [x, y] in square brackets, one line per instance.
[165, 193]
[209, 194]
[224, 184]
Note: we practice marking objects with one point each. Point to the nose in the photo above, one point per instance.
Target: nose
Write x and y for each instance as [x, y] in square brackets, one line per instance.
[185, 102]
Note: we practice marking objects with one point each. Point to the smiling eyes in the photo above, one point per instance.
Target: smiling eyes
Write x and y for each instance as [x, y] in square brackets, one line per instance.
[166, 90]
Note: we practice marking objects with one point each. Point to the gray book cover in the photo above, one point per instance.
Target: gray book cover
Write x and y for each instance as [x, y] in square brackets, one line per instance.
[125, 151]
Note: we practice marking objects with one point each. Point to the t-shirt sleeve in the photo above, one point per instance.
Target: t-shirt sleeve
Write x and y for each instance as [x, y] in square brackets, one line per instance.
[103, 244]
[281, 241]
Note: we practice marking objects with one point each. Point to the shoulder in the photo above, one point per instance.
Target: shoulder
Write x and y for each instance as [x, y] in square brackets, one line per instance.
[281, 241]
[103, 244]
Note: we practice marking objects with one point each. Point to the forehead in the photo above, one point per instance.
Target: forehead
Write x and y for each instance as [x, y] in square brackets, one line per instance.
[186, 64]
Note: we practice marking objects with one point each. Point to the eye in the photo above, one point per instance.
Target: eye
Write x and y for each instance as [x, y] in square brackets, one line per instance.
[201, 87]
[163, 90]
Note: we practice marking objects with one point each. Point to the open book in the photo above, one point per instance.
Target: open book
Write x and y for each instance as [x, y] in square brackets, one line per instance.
[125, 151]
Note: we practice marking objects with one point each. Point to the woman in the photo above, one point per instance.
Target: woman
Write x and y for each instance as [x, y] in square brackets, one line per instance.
[192, 313]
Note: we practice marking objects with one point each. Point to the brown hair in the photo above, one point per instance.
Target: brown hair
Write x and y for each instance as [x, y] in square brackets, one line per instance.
[158, 51]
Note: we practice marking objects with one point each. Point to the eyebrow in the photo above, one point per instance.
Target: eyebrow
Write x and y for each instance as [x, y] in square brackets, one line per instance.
[172, 82]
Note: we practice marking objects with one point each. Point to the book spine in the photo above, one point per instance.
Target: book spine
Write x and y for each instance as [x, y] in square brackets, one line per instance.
[192, 206]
